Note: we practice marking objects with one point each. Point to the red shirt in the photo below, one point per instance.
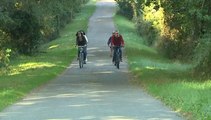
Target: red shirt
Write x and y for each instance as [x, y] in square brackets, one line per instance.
[117, 41]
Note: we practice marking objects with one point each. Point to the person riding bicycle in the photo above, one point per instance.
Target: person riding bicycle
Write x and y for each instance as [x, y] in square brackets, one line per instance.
[81, 40]
[84, 34]
[117, 42]
[109, 43]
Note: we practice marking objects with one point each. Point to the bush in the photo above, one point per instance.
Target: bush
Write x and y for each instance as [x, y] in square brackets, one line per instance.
[125, 8]
[147, 31]
[25, 32]
[4, 51]
[202, 56]
[4, 57]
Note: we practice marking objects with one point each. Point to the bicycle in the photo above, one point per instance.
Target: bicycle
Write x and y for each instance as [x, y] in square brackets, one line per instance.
[117, 58]
[81, 56]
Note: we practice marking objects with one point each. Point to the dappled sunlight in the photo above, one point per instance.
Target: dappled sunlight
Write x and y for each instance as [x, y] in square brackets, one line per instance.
[60, 119]
[70, 95]
[53, 46]
[25, 103]
[92, 95]
[97, 96]
[172, 66]
[150, 67]
[107, 1]
[101, 64]
[197, 85]
[95, 92]
[118, 118]
[137, 69]
[6, 92]
[96, 100]
[67, 95]
[155, 68]
[79, 105]
[87, 117]
[104, 72]
[159, 65]
[31, 65]
[93, 48]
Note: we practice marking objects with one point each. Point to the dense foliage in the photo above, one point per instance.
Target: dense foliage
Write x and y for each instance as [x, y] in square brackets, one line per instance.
[179, 29]
[25, 24]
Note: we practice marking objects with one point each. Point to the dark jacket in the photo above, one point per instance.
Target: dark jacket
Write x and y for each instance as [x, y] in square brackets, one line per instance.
[81, 42]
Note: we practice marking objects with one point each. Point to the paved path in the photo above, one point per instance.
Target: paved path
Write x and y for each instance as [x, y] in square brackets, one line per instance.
[99, 91]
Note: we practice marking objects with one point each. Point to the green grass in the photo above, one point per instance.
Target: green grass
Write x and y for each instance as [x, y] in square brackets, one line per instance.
[166, 80]
[27, 73]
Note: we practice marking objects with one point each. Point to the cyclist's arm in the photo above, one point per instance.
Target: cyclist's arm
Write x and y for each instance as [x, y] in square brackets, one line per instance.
[86, 38]
[76, 42]
[122, 42]
[112, 41]
[109, 41]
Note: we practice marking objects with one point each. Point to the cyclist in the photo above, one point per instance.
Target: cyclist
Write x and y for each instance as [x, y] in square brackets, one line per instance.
[117, 42]
[81, 40]
[109, 43]
[84, 34]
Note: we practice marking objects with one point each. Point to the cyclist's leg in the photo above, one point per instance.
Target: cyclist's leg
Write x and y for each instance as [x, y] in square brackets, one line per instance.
[85, 53]
[78, 53]
[111, 51]
[120, 50]
[114, 53]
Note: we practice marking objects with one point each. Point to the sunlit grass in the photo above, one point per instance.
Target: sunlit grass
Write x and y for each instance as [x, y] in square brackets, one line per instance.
[26, 73]
[198, 85]
[27, 66]
[53, 46]
[167, 80]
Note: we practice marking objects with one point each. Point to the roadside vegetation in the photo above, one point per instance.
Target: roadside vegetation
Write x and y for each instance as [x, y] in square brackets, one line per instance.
[25, 73]
[170, 51]
[179, 30]
[168, 80]
[27, 24]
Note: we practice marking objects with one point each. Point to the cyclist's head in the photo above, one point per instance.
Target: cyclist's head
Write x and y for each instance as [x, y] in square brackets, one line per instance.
[78, 34]
[113, 32]
[116, 33]
[82, 31]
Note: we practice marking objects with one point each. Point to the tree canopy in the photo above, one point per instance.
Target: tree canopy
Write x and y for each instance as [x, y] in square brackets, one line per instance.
[25, 24]
[178, 29]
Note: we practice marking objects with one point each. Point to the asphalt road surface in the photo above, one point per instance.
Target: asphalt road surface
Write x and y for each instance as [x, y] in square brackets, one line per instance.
[99, 91]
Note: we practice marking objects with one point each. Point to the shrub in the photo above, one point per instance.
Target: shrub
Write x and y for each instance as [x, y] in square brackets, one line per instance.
[25, 32]
[4, 51]
[146, 30]
[125, 8]
[202, 56]
[4, 57]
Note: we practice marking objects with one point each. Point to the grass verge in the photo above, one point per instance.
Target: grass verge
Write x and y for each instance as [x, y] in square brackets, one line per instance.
[27, 73]
[168, 81]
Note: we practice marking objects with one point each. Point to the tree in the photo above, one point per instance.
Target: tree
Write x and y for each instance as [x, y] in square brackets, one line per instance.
[176, 28]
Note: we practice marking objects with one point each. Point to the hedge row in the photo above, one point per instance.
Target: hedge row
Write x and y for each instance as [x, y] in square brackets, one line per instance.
[25, 24]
